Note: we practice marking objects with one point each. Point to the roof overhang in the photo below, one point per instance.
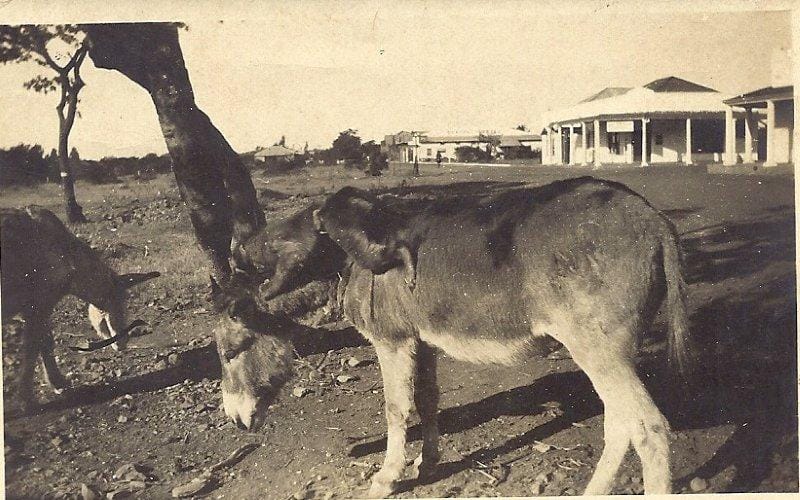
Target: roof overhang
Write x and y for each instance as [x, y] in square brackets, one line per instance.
[759, 98]
[664, 115]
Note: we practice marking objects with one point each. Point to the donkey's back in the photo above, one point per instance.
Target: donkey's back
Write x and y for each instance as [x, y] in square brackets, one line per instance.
[498, 274]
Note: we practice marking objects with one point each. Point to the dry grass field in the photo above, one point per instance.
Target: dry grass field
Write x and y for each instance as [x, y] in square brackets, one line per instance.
[530, 430]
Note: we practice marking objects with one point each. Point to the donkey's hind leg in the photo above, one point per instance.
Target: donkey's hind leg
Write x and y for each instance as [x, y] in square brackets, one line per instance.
[398, 368]
[426, 397]
[631, 415]
[31, 347]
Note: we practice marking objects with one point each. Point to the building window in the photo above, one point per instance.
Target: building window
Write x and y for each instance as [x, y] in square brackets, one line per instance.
[430, 151]
[659, 140]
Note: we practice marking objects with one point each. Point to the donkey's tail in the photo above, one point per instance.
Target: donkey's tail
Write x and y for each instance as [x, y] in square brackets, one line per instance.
[682, 351]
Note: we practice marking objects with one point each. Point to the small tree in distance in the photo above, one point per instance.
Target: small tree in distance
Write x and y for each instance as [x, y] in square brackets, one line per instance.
[29, 43]
[347, 147]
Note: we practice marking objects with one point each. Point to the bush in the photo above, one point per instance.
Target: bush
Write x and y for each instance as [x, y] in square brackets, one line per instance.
[377, 163]
[23, 165]
[94, 172]
[520, 153]
[468, 154]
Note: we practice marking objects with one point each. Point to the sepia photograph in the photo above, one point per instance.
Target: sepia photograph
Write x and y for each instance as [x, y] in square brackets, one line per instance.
[398, 249]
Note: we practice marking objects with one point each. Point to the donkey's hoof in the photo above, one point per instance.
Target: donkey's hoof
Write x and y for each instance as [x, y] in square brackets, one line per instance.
[381, 489]
[63, 389]
[60, 385]
[423, 470]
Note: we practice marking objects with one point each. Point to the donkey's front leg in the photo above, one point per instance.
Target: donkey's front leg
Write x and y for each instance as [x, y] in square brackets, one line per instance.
[398, 367]
[426, 396]
[54, 376]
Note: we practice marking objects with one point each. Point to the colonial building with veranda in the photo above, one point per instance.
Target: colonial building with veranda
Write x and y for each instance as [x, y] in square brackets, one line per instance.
[670, 120]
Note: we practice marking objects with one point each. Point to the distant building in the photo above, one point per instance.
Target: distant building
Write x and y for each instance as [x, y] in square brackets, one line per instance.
[767, 127]
[669, 120]
[402, 146]
[275, 153]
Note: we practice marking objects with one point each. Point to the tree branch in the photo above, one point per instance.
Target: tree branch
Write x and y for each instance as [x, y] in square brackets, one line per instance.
[41, 49]
[77, 83]
[77, 58]
[63, 101]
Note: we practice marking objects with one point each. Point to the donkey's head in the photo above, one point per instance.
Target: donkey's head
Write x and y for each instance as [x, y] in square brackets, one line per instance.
[107, 313]
[255, 351]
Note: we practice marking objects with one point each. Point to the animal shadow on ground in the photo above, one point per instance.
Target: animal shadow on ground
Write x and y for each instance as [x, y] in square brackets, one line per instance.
[747, 337]
[196, 364]
[572, 389]
[746, 341]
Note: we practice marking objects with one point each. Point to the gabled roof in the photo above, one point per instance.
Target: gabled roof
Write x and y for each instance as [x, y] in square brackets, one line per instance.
[606, 93]
[275, 151]
[675, 84]
[762, 95]
[668, 96]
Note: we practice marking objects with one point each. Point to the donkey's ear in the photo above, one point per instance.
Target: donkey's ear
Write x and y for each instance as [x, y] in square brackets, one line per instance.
[364, 227]
[131, 279]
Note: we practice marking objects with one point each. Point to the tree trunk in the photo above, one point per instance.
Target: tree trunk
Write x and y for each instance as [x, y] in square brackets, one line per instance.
[213, 181]
[69, 98]
[74, 211]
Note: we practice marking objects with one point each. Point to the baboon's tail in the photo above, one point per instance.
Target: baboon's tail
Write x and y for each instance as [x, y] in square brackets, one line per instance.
[681, 348]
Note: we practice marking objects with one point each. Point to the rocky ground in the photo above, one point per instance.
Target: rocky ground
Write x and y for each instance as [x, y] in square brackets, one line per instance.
[148, 423]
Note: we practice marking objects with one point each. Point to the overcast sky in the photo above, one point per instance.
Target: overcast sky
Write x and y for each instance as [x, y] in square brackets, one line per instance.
[309, 70]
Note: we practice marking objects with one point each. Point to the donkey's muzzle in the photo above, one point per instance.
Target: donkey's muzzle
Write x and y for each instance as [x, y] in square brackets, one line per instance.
[242, 409]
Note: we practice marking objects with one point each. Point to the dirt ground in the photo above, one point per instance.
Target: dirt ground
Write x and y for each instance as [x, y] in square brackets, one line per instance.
[142, 422]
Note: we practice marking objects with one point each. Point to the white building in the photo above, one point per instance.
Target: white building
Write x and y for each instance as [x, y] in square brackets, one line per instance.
[767, 124]
[402, 146]
[669, 120]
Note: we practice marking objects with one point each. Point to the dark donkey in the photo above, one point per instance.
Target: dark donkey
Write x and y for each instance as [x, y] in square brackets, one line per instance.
[42, 261]
[584, 261]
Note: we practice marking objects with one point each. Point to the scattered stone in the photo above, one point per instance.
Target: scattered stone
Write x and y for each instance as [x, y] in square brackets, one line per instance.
[537, 488]
[354, 362]
[345, 378]
[137, 485]
[94, 475]
[161, 365]
[173, 359]
[193, 487]
[542, 447]
[119, 493]
[132, 472]
[122, 419]
[540, 482]
[698, 484]
[300, 391]
[88, 493]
